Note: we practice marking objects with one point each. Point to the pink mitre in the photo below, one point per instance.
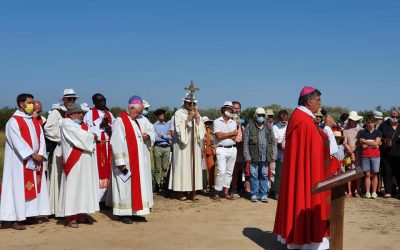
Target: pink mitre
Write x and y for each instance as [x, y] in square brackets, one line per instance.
[307, 90]
[135, 100]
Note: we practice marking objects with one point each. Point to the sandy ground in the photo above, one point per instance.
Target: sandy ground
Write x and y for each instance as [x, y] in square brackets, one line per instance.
[204, 224]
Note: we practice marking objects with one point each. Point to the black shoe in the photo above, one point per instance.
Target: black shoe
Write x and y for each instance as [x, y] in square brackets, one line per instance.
[139, 218]
[126, 220]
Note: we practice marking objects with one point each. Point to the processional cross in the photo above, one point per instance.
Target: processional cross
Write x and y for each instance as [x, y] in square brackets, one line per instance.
[191, 90]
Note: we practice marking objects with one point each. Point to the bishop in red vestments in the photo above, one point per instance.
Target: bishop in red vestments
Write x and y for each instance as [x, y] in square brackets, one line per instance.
[302, 219]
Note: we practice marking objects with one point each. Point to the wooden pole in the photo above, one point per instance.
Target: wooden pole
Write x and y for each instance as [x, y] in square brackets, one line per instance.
[193, 163]
[337, 218]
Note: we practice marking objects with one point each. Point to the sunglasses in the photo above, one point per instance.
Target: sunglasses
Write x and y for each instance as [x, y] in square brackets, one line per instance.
[394, 116]
[261, 115]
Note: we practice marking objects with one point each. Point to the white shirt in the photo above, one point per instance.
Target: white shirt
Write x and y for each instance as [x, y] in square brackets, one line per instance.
[279, 133]
[224, 127]
[333, 147]
[307, 111]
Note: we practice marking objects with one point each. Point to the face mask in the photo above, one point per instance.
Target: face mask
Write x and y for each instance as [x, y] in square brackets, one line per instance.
[242, 121]
[228, 114]
[260, 119]
[393, 120]
[284, 123]
[145, 112]
[77, 121]
[29, 108]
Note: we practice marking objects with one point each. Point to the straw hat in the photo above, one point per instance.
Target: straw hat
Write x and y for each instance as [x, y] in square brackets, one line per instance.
[269, 112]
[319, 113]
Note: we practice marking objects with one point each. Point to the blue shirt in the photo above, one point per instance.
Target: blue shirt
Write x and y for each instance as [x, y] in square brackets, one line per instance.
[162, 129]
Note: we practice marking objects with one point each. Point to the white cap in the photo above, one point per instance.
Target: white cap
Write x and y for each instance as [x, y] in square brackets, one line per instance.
[227, 104]
[146, 104]
[69, 93]
[188, 98]
[354, 116]
[260, 111]
[85, 107]
[206, 119]
[378, 115]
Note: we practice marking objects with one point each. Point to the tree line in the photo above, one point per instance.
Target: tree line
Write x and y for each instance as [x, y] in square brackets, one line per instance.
[212, 113]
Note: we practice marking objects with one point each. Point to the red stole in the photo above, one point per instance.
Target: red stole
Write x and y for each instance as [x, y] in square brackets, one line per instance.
[40, 120]
[103, 152]
[29, 178]
[133, 153]
[74, 156]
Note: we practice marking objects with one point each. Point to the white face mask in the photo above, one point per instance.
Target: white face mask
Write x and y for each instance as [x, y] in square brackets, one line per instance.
[228, 114]
[394, 120]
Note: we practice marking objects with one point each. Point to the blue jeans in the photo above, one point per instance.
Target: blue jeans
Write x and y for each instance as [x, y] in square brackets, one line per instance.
[259, 179]
[371, 164]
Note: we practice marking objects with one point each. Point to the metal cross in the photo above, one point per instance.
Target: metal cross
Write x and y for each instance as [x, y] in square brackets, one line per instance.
[191, 88]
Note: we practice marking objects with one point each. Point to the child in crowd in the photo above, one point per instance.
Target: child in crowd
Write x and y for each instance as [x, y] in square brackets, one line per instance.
[370, 140]
[340, 154]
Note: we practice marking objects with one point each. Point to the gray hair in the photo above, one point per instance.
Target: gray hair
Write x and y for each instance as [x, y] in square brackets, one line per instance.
[395, 110]
[136, 106]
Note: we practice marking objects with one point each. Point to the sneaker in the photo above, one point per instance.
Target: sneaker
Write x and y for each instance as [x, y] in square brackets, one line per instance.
[368, 195]
[374, 195]
[264, 199]
[235, 195]
[253, 198]
[387, 196]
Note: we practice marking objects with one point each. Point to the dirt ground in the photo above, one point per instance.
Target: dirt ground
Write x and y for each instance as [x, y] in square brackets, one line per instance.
[204, 224]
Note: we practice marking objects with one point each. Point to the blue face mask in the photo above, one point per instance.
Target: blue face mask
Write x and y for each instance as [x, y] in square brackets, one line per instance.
[145, 112]
[260, 119]
[77, 121]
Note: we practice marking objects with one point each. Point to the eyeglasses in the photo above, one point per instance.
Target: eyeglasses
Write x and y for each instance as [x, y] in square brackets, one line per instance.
[260, 115]
[70, 98]
[270, 116]
[394, 116]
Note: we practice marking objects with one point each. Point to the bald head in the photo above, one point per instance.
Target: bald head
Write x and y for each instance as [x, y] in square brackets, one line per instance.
[37, 105]
[37, 109]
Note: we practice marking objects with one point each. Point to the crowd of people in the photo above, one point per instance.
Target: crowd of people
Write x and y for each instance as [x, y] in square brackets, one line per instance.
[80, 160]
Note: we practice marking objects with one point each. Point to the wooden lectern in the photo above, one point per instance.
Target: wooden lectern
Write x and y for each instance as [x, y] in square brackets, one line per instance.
[338, 195]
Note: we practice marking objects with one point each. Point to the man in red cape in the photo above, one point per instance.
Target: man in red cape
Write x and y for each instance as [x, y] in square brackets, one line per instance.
[302, 219]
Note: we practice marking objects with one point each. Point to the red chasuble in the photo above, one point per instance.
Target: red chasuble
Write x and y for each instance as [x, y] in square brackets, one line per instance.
[29, 178]
[301, 217]
[103, 152]
[133, 153]
[74, 156]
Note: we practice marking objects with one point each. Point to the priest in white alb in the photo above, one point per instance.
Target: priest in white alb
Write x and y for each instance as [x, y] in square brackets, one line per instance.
[130, 183]
[78, 190]
[52, 133]
[23, 193]
[181, 172]
[100, 121]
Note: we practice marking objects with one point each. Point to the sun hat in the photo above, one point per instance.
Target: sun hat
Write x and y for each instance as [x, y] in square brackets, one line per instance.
[354, 116]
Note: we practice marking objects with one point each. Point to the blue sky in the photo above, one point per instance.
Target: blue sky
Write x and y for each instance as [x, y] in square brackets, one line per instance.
[258, 52]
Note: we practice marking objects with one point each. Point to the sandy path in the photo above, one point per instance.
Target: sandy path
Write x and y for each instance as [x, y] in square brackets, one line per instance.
[240, 224]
